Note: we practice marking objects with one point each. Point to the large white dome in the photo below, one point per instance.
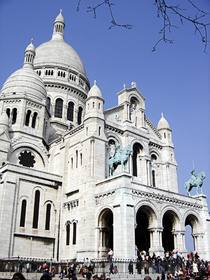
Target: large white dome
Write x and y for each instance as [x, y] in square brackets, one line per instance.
[58, 53]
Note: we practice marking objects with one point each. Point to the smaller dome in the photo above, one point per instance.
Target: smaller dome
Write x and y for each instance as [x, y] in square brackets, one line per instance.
[30, 47]
[59, 18]
[163, 124]
[26, 80]
[95, 91]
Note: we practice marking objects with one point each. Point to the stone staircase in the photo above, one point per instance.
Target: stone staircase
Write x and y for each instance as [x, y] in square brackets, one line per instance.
[120, 276]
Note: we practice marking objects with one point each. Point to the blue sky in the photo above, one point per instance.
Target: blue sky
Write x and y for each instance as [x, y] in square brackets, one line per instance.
[174, 80]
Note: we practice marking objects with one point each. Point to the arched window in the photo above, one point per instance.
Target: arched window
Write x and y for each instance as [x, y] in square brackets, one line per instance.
[36, 209]
[153, 166]
[137, 148]
[153, 178]
[48, 103]
[33, 125]
[79, 118]
[72, 163]
[14, 115]
[23, 213]
[58, 108]
[74, 233]
[76, 159]
[67, 234]
[48, 214]
[81, 159]
[70, 111]
[28, 114]
[8, 112]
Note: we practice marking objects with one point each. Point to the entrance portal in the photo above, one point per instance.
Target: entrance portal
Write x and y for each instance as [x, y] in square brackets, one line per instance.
[142, 236]
[106, 228]
[167, 236]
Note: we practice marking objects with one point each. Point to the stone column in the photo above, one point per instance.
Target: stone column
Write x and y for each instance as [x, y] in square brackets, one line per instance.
[198, 244]
[156, 241]
[124, 225]
[179, 240]
[76, 116]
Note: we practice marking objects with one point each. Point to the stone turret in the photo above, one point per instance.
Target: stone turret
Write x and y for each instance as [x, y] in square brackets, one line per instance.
[165, 130]
[168, 158]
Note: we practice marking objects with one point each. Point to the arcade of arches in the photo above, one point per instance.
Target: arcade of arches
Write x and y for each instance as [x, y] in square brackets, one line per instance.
[149, 235]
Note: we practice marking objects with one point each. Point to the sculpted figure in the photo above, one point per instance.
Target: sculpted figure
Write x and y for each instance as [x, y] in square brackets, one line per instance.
[193, 176]
[133, 114]
[118, 151]
[120, 157]
[195, 181]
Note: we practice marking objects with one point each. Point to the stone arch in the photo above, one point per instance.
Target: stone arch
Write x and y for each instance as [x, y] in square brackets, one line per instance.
[67, 232]
[138, 150]
[171, 224]
[23, 210]
[134, 99]
[58, 111]
[112, 139]
[70, 111]
[192, 219]
[154, 167]
[80, 115]
[145, 220]
[105, 225]
[40, 157]
[132, 109]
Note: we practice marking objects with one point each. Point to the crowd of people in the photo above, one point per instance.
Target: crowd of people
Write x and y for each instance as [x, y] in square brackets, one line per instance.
[172, 267]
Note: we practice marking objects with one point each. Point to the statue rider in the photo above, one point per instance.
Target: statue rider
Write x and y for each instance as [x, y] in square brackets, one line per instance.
[117, 150]
[194, 176]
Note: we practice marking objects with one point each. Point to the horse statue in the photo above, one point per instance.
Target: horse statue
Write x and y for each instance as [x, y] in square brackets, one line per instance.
[195, 181]
[119, 157]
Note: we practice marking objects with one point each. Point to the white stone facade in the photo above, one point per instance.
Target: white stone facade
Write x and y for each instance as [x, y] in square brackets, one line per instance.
[57, 198]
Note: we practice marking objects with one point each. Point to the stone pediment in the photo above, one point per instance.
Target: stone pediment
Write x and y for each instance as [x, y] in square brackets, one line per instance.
[152, 128]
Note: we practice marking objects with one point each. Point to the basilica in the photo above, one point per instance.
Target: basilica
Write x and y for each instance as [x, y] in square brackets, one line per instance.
[75, 179]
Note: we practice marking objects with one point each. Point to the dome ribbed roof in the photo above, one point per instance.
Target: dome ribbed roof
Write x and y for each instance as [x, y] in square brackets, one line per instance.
[57, 53]
[95, 91]
[163, 124]
[60, 18]
[25, 80]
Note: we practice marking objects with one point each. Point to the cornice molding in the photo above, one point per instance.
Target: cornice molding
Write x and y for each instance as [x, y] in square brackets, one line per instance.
[166, 199]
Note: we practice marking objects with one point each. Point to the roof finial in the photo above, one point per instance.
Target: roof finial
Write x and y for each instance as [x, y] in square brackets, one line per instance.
[59, 25]
[29, 55]
[162, 115]
[32, 40]
[133, 84]
[95, 83]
